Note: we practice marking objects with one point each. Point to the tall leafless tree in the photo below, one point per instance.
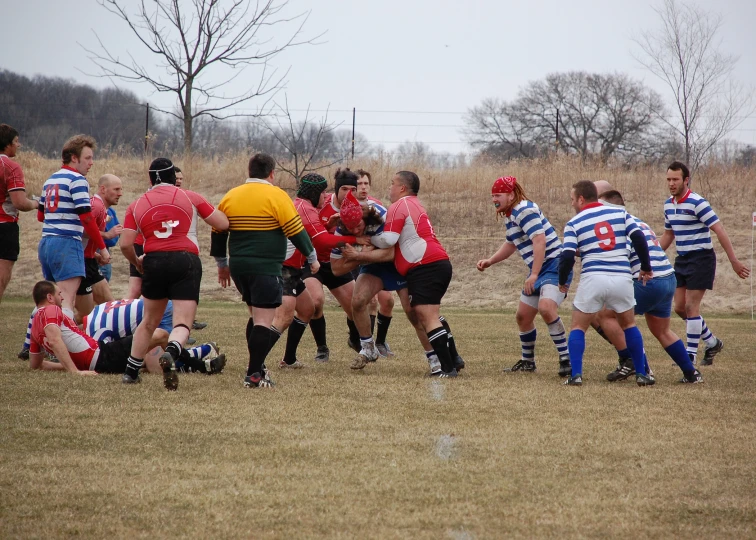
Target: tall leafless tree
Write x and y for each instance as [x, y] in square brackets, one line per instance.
[194, 40]
[686, 54]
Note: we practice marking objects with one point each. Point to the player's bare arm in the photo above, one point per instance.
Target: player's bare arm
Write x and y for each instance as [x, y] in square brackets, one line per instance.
[666, 239]
[127, 248]
[21, 203]
[37, 361]
[504, 252]
[217, 220]
[724, 240]
[55, 341]
[369, 255]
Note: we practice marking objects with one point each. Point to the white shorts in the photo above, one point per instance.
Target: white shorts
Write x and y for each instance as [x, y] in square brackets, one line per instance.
[598, 291]
[548, 291]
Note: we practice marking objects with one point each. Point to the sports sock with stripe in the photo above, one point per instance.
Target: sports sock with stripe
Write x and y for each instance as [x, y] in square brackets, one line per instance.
[693, 330]
[296, 331]
[557, 333]
[527, 341]
[439, 340]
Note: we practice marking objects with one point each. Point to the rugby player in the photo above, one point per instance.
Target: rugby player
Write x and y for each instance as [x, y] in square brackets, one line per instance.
[171, 268]
[531, 234]
[601, 236]
[688, 218]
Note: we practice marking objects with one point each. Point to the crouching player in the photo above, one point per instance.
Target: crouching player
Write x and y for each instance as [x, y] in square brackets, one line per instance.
[530, 233]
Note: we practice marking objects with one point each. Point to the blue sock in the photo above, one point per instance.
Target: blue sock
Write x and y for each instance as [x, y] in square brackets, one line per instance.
[624, 353]
[634, 341]
[576, 346]
[679, 354]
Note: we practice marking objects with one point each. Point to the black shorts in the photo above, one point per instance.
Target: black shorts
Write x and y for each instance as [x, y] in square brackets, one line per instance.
[113, 356]
[260, 291]
[326, 277]
[175, 275]
[133, 272]
[427, 283]
[293, 284]
[92, 276]
[10, 246]
[696, 270]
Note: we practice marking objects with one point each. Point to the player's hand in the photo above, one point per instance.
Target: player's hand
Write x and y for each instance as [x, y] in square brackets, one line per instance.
[741, 270]
[348, 252]
[224, 276]
[139, 264]
[115, 231]
[564, 288]
[645, 277]
[314, 267]
[363, 240]
[104, 257]
[529, 286]
[332, 221]
[98, 258]
[483, 264]
[86, 373]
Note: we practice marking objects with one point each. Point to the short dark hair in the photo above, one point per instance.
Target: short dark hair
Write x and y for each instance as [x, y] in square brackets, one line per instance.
[7, 134]
[363, 172]
[41, 290]
[162, 171]
[680, 166]
[410, 180]
[587, 190]
[176, 169]
[75, 145]
[261, 165]
[613, 197]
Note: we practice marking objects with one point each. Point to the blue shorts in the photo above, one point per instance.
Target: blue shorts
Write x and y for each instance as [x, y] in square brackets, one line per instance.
[166, 323]
[392, 279]
[549, 275]
[655, 298]
[61, 257]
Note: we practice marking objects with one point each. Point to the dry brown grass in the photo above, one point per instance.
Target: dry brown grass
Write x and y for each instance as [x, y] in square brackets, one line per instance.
[458, 202]
[383, 453]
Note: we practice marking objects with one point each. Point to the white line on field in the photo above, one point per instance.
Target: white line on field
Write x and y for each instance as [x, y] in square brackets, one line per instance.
[437, 390]
[445, 447]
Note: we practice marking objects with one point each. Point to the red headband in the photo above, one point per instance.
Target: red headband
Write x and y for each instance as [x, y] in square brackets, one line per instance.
[351, 211]
[505, 184]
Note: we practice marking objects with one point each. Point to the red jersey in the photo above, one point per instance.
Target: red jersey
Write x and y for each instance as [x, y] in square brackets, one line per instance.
[11, 179]
[100, 214]
[167, 218]
[139, 238]
[416, 243]
[83, 349]
[327, 211]
[323, 240]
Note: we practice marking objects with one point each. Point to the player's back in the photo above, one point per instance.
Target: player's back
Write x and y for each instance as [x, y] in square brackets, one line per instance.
[114, 320]
[417, 244]
[659, 262]
[600, 235]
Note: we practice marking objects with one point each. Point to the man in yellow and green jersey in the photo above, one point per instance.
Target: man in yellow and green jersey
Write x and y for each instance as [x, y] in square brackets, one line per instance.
[261, 217]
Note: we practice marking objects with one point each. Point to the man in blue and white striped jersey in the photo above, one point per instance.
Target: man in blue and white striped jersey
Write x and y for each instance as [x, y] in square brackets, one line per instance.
[601, 235]
[688, 218]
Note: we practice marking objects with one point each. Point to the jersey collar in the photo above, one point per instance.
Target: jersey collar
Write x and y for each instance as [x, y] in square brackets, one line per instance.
[66, 167]
[591, 205]
[683, 198]
[257, 181]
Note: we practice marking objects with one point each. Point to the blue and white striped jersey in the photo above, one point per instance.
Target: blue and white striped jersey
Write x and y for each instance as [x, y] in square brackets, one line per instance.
[601, 236]
[526, 221]
[659, 261]
[118, 319]
[65, 195]
[690, 219]
[374, 229]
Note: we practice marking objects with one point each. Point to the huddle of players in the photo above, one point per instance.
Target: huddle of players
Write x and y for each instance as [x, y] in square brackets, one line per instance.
[625, 272]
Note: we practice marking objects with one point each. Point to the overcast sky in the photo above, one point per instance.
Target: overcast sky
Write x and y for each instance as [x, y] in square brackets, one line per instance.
[430, 59]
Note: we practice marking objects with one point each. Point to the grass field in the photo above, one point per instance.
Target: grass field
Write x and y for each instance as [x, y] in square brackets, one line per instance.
[384, 452]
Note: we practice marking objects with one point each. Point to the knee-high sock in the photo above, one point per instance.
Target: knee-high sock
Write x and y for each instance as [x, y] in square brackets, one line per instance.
[318, 329]
[199, 352]
[354, 334]
[452, 344]
[372, 325]
[634, 341]
[190, 359]
[440, 341]
[27, 340]
[260, 343]
[527, 341]
[576, 346]
[693, 328]
[706, 335]
[383, 326]
[678, 353]
[174, 348]
[296, 331]
[557, 333]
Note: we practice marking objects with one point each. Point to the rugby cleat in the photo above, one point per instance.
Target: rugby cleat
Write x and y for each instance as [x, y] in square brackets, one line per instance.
[711, 352]
[435, 365]
[522, 365]
[644, 380]
[24, 354]
[694, 378]
[352, 345]
[565, 367]
[384, 350]
[295, 365]
[323, 354]
[196, 325]
[126, 379]
[446, 374]
[170, 375]
[459, 364]
[576, 380]
[623, 371]
[215, 365]
[256, 380]
[368, 353]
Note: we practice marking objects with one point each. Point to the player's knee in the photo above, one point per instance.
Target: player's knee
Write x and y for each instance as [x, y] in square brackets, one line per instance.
[521, 318]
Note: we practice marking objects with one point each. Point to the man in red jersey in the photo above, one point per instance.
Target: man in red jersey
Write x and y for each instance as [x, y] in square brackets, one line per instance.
[422, 259]
[12, 200]
[58, 334]
[171, 268]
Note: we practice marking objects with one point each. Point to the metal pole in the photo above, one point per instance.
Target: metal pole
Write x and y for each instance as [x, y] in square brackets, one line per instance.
[557, 131]
[354, 119]
[753, 224]
[146, 127]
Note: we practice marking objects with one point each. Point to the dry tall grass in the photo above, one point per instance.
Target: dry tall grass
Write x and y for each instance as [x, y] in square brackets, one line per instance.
[459, 205]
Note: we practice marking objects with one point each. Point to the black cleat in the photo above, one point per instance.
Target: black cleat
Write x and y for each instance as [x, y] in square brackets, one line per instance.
[446, 374]
[126, 379]
[523, 365]
[711, 352]
[577, 380]
[694, 378]
[384, 350]
[565, 367]
[354, 346]
[624, 370]
[216, 365]
[323, 354]
[24, 354]
[644, 380]
[257, 381]
[459, 364]
[196, 325]
[170, 375]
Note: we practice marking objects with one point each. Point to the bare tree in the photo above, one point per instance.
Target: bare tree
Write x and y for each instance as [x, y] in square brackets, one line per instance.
[685, 54]
[190, 38]
[303, 143]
